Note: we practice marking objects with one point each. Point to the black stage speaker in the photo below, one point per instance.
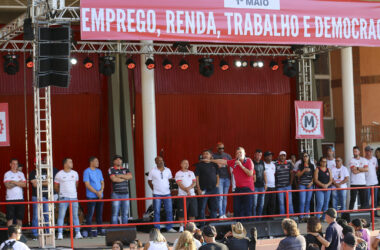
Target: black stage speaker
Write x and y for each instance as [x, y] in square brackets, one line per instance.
[123, 234]
[221, 228]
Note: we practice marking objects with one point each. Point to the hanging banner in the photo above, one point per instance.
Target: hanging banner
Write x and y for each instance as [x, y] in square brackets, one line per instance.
[324, 22]
[4, 125]
[309, 120]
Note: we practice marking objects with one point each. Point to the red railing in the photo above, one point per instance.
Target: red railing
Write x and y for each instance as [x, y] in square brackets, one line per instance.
[185, 220]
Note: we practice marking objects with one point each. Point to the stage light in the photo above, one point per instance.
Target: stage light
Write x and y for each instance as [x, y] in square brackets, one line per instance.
[150, 63]
[206, 67]
[107, 65]
[260, 64]
[88, 63]
[290, 68]
[183, 64]
[238, 63]
[29, 62]
[257, 64]
[244, 63]
[73, 61]
[273, 65]
[167, 64]
[11, 65]
[130, 63]
[224, 65]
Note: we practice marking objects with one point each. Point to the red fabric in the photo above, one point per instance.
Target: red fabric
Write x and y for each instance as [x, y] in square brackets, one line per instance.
[241, 178]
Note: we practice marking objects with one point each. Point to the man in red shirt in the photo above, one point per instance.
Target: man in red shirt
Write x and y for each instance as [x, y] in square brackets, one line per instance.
[244, 173]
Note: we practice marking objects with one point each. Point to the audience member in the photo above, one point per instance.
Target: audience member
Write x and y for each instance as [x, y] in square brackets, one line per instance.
[323, 180]
[224, 178]
[209, 234]
[349, 242]
[190, 227]
[340, 179]
[270, 174]
[185, 242]
[361, 233]
[293, 239]
[260, 183]
[371, 175]
[198, 236]
[158, 181]
[117, 245]
[359, 166]
[313, 226]
[237, 238]
[14, 182]
[207, 174]
[66, 184]
[120, 177]
[375, 243]
[186, 182]
[305, 173]
[284, 179]
[156, 241]
[13, 242]
[135, 245]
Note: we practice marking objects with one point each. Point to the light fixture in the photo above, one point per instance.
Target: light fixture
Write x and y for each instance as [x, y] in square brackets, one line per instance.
[273, 65]
[224, 65]
[183, 64]
[107, 65]
[11, 65]
[150, 63]
[29, 62]
[130, 63]
[257, 64]
[73, 61]
[244, 63]
[290, 68]
[238, 63]
[88, 63]
[167, 64]
[206, 67]
[260, 64]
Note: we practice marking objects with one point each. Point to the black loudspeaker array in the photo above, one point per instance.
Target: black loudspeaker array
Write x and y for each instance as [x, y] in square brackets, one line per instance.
[53, 59]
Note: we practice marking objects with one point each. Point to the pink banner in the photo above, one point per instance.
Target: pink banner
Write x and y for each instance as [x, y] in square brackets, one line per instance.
[309, 120]
[324, 22]
[4, 125]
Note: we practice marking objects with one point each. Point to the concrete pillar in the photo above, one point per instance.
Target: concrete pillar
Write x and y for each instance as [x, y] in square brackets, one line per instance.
[348, 103]
[149, 121]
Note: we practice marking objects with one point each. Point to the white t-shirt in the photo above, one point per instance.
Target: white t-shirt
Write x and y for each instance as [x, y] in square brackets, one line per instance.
[17, 246]
[339, 174]
[270, 170]
[186, 178]
[371, 175]
[160, 180]
[358, 179]
[331, 163]
[67, 183]
[14, 193]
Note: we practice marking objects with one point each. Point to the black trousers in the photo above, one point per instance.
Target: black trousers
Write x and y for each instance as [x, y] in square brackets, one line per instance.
[363, 197]
[270, 204]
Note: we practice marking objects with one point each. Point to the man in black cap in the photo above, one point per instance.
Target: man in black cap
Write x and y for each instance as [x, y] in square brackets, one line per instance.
[209, 234]
[334, 233]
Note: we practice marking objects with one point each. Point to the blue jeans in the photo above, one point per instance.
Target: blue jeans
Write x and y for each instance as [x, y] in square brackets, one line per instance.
[213, 205]
[305, 198]
[119, 205]
[282, 199]
[370, 196]
[339, 199]
[323, 198]
[258, 201]
[224, 185]
[168, 209]
[243, 203]
[62, 212]
[91, 207]
[35, 215]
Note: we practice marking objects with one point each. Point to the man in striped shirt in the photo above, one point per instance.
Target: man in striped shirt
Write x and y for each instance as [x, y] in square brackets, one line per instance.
[284, 179]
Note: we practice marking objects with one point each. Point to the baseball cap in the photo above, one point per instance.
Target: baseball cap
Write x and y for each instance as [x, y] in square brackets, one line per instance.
[368, 148]
[267, 153]
[282, 153]
[209, 231]
[331, 147]
[349, 239]
[331, 212]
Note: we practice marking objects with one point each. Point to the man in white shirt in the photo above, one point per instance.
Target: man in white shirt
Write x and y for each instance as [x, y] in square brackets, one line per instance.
[371, 175]
[359, 166]
[158, 180]
[66, 184]
[14, 181]
[340, 179]
[331, 163]
[270, 171]
[14, 234]
[186, 182]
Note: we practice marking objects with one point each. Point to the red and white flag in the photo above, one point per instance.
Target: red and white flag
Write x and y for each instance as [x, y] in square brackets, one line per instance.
[309, 120]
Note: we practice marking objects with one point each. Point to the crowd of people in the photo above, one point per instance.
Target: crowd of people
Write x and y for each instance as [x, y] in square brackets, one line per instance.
[214, 173]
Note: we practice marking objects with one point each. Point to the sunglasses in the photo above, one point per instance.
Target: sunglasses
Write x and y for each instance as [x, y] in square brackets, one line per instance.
[220, 148]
